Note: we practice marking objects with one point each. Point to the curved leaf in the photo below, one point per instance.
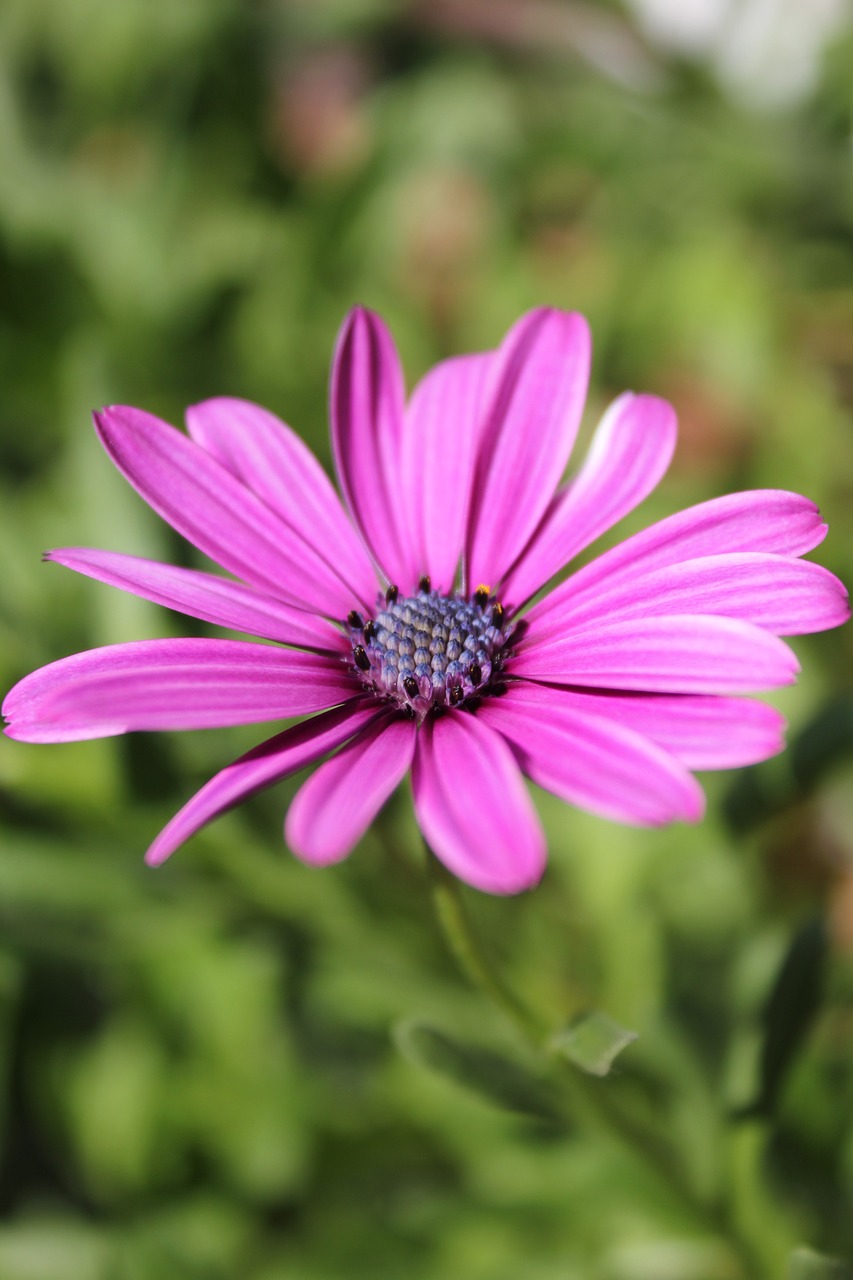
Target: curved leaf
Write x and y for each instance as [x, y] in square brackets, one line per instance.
[496, 1079]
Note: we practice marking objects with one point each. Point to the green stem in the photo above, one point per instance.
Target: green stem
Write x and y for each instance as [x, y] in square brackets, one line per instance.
[464, 945]
[589, 1098]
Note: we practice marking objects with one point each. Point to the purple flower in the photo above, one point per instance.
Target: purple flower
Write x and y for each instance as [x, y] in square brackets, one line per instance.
[407, 622]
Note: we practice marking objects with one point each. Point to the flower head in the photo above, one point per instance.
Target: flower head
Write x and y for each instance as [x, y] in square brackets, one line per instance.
[403, 619]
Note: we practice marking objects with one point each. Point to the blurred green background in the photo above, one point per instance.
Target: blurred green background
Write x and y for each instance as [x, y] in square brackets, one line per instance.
[200, 1071]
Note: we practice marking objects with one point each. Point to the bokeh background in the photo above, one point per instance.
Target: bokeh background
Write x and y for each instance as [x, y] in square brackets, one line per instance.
[200, 1067]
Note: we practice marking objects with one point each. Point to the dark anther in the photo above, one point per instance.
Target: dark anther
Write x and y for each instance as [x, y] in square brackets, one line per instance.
[391, 595]
[369, 629]
[410, 684]
[355, 620]
[475, 672]
[424, 583]
[481, 595]
[519, 631]
[361, 659]
[497, 614]
[457, 693]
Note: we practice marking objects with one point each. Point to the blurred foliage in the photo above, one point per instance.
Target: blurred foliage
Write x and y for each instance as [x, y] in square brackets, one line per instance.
[198, 1073]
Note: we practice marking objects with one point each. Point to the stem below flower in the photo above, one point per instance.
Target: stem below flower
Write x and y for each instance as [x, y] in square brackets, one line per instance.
[591, 1100]
[464, 945]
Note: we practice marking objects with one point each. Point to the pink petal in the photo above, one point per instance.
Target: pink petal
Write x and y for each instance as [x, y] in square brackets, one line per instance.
[367, 414]
[334, 808]
[203, 595]
[473, 807]
[670, 654]
[442, 430]
[595, 763]
[768, 520]
[630, 452]
[172, 684]
[271, 460]
[782, 594]
[218, 514]
[531, 415]
[701, 732]
[264, 765]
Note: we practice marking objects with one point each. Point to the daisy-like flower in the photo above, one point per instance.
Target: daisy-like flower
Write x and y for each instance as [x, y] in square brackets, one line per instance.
[402, 618]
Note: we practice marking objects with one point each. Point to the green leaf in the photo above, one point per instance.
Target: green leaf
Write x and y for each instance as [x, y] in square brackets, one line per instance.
[823, 745]
[791, 1007]
[805, 1264]
[499, 1080]
[592, 1042]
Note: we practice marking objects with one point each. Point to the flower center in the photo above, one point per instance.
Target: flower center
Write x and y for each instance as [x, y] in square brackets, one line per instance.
[430, 650]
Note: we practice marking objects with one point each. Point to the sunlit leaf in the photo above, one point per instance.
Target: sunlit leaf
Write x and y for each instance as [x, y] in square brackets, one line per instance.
[593, 1042]
[805, 1264]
